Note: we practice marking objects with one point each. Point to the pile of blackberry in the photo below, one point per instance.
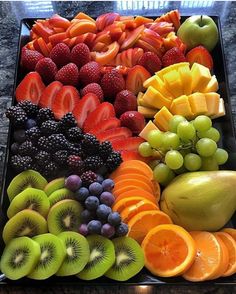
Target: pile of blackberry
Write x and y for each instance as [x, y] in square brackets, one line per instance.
[48, 146]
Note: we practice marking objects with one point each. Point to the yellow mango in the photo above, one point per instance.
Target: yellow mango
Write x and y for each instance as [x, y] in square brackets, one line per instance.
[162, 119]
[162, 88]
[169, 68]
[181, 106]
[186, 78]
[197, 103]
[212, 86]
[221, 111]
[201, 76]
[151, 82]
[147, 111]
[150, 126]
[173, 83]
[213, 102]
[155, 99]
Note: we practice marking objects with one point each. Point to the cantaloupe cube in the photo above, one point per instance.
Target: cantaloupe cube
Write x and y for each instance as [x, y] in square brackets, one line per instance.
[151, 82]
[169, 68]
[173, 83]
[213, 102]
[150, 126]
[186, 78]
[181, 106]
[197, 103]
[162, 119]
[147, 111]
[155, 99]
[212, 86]
[221, 111]
[201, 76]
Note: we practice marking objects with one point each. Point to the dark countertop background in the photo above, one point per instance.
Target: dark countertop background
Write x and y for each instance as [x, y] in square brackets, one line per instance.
[10, 15]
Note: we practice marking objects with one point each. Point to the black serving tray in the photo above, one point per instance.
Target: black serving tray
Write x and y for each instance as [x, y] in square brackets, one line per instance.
[228, 142]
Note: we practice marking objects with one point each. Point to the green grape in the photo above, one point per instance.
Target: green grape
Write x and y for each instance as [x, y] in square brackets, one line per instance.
[221, 156]
[170, 177]
[174, 159]
[174, 121]
[170, 141]
[153, 163]
[212, 133]
[206, 147]
[192, 162]
[161, 173]
[155, 138]
[186, 131]
[202, 123]
[209, 163]
[145, 149]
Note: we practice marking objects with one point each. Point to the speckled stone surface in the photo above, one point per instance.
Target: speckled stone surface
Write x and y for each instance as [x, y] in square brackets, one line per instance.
[10, 15]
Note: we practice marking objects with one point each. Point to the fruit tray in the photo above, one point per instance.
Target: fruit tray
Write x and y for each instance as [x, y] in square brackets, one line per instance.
[227, 141]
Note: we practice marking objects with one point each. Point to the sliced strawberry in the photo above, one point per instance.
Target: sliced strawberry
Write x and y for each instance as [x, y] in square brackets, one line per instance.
[200, 55]
[130, 144]
[65, 101]
[104, 111]
[30, 88]
[49, 94]
[86, 105]
[105, 124]
[114, 133]
[133, 155]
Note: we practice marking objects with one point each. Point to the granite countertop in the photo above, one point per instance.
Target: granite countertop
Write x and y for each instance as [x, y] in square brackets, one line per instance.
[10, 15]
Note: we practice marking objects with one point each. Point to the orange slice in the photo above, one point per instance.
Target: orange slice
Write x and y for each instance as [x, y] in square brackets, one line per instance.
[143, 222]
[137, 193]
[137, 183]
[208, 258]
[107, 56]
[224, 259]
[126, 202]
[136, 176]
[231, 232]
[169, 250]
[230, 243]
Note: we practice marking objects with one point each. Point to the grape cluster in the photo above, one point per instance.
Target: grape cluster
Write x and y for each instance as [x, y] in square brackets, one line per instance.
[97, 200]
[187, 146]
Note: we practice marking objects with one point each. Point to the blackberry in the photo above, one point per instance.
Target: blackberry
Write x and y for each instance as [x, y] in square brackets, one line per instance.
[90, 144]
[75, 134]
[50, 169]
[113, 161]
[93, 163]
[44, 114]
[17, 116]
[76, 150]
[21, 163]
[49, 127]
[46, 145]
[88, 178]
[67, 121]
[75, 163]
[30, 109]
[27, 148]
[58, 141]
[105, 148]
[42, 158]
[33, 134]
[60, 157]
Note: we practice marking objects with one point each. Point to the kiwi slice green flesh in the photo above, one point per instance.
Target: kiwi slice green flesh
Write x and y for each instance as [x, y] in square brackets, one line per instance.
[19, 257]
[52, 255]
[64, 216]
[77, 253]
[59, 195]
[26, 179]
[27, 222]
[129, 259]
[102, 257]
[54, 185]
[30, 198]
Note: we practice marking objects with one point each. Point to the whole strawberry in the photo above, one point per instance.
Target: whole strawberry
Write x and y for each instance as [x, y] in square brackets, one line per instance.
[29, 58]
[90, 73]
[80, 54]
[133, 120]
[150, 61]
[112, 83]
[93, 88]
[47, 69]
[125, 101]
[60, 54]
[174, 55]
[68, 75]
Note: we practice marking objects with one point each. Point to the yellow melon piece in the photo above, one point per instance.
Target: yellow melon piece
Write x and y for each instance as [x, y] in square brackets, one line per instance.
[162, 88]
[197, 103]
[173, 83]
[154, 98]
[201, 76]
[150, 126]
[186, 78]
[147, 111]
[213, 102]
[162, 119]
[151, 82]
[181, 106]
[221, 111]
[141, 102]
[212, 86]
[169, 68]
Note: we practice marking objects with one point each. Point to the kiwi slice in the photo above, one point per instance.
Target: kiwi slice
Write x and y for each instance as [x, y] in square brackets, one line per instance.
[27, 222]
[30, 198]
[59, 195]
[129, 259]
[26, 179]
[54, 185]
[77, 253]
[19, 257]
[64, 216]
[102, 257]
[52, 255]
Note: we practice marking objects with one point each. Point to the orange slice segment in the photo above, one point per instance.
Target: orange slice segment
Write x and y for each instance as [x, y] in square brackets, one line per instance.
[137, 193]
[231, 232]
[169, 250]
[126, 202]
[136, 176]
[224, 258]
[137, 183]
[143, 222]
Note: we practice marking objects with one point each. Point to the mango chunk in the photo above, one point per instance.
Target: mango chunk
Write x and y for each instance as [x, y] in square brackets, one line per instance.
[221, 111]
[150, 126]
[173, 83]
[151, 82]
[147, 111]
[162, 119]
[213, 102]
[181, 106]
[212, 86]
[197, 103]
[201, 76]
[186, 79]
[155, 99]
[169, 68]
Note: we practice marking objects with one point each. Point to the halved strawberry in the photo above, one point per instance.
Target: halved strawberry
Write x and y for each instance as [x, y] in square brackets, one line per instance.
[200, 55]
[130, 144]
[65, 101]
[135, 78]
[30, 88]
[105, 124]
[87, 104]
[104, 111]
[133, 155]
[115, 133]
[49, 94]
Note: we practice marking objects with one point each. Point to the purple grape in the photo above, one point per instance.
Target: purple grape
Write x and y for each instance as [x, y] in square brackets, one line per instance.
[95, 189]
[107, 198]
[30, 123]
[114, 218]
[73, 183]
[15, 147]
[87, 215]
[100, 179]
[108, 185]
[107, 230]
[19, 136]
[91, 203]
[81, 194]
[103, 211]
[94, 227]
[83, 229]
[122, 230]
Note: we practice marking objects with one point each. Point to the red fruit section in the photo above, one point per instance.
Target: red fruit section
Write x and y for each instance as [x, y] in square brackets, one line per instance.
[104, 125]
[132, 155]
[113, 134]
[130, 144]
[49, 94]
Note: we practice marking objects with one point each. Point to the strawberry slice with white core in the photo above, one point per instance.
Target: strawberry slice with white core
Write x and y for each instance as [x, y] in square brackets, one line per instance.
[116, 133]
[49, 94]
[130, 144]
[105, 124]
